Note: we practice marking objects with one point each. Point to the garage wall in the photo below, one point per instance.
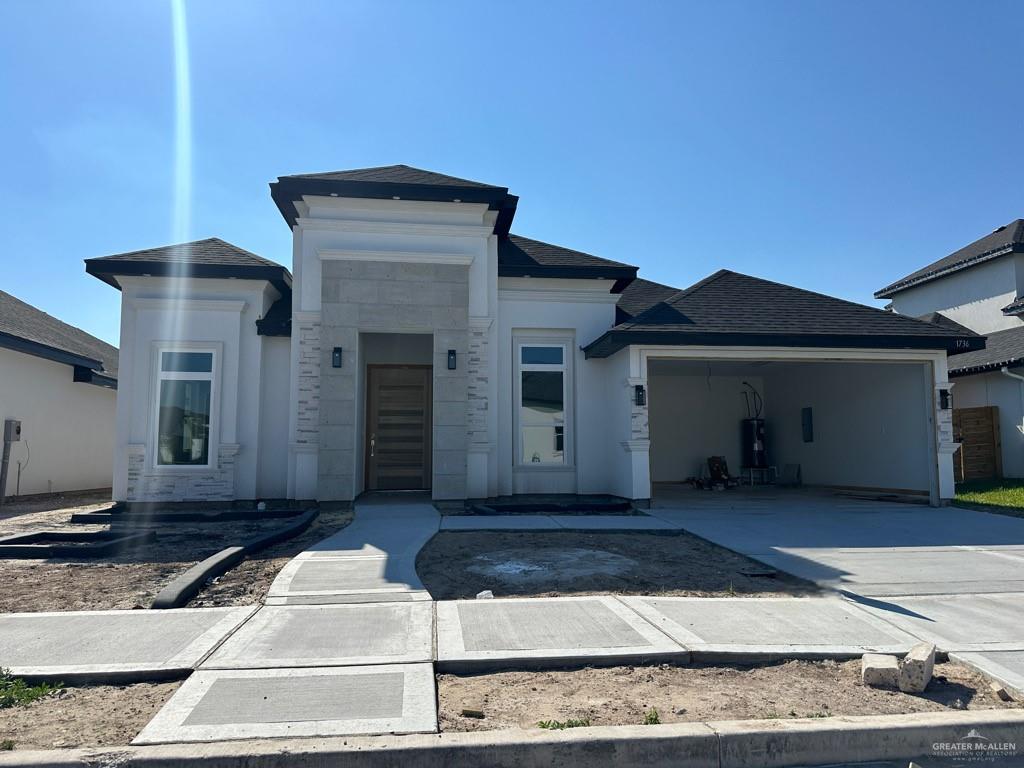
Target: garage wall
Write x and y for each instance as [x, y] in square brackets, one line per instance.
[67, 428]
[870, 423]
[1005, 393]
[693, 417]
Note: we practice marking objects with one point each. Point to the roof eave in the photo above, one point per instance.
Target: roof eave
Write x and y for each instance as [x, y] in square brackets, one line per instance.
[901, 285]
[107, 271]
[37, 349]
[289, 189]
[84, 375]
[622, 276]
[971, 370]
[613, 340]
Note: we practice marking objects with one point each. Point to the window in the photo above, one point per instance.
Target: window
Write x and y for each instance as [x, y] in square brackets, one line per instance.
[542, 394]
[184, 400]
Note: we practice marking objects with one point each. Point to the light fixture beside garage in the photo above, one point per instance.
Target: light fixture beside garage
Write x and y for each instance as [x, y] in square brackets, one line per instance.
[640, 395]
[336, 358]
[451, 359]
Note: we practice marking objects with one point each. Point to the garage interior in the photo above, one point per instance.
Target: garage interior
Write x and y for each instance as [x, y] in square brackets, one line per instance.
[839, 424]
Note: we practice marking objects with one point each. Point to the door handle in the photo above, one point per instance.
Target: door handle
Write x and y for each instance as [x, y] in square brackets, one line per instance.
[373, 444]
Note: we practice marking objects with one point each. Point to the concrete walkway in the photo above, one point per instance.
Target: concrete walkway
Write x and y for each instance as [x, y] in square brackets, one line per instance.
[371, 560]
[343, 646]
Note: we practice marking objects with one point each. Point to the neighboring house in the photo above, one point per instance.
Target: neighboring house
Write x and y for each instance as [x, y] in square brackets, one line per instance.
[60, 383]
[421, 345]
[979, 287]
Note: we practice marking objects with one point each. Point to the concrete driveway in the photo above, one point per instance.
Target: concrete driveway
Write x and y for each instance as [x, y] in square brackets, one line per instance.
[953, 575]
[870, 548]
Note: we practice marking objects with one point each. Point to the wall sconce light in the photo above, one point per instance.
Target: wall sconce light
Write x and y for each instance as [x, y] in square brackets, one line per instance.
[944, 399]
[336, 358]
[639, 395]
[451, 359]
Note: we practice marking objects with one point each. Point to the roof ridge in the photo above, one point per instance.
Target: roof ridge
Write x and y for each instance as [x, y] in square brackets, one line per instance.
[847, 302]
[700, 284]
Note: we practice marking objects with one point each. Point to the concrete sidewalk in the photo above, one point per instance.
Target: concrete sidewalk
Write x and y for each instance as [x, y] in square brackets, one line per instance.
[83, 646]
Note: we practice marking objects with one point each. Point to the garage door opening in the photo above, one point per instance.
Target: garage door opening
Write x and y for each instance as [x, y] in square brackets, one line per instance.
[863, 426]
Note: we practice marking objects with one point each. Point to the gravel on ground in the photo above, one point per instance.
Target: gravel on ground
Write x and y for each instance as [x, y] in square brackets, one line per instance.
[457, 565]
[626, 695]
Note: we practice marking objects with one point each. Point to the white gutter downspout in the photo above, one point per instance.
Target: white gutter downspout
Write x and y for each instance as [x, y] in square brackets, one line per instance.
[1006, 372]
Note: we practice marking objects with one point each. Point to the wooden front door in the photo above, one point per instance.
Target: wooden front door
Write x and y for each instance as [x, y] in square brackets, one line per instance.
[398, 418]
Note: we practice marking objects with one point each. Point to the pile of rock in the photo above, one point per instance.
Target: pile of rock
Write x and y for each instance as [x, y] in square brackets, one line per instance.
[911, 674]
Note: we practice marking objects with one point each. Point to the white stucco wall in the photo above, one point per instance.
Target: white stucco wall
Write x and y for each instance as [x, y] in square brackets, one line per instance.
[1004, 393]
[973, 297]
[67, 428]
[272, 479]
[693, 417]
[219, 315]
[580, 311]
[871, 423]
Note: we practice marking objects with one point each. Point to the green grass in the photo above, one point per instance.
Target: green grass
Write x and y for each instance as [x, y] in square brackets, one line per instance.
[6, 745]
[651, 717]
[1005, 497]
[561, 725]
[15, 692]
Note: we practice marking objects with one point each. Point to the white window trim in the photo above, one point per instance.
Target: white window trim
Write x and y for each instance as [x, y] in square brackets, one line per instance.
[213, 377]
[534, 338]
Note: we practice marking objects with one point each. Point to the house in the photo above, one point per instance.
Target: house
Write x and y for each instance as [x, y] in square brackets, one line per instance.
[60, 383]
[419, 344]
[979, 287]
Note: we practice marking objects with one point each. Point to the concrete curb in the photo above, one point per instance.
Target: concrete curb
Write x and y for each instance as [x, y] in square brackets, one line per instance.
[728, 744]
[187, 585]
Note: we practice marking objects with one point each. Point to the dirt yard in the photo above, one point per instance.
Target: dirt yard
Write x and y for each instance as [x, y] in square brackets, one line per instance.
[90, 716]
[624, 695]
[248, 582]
[130, 579]
[457, 565]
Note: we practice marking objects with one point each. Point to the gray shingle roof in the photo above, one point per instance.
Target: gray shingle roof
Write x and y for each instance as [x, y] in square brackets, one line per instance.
[1006, 239]
[639, 296]
[731, 308]
[521, 256]
[212, 250]
[937, 318]
[393, 174]
[1001, 348]
[23, 321]
[209, 258]
[1015, 307]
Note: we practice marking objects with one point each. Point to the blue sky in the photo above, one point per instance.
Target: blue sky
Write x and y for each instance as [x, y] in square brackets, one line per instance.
[833, 146]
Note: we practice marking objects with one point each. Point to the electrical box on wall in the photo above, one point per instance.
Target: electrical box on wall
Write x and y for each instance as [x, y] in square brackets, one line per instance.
[12, 431]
